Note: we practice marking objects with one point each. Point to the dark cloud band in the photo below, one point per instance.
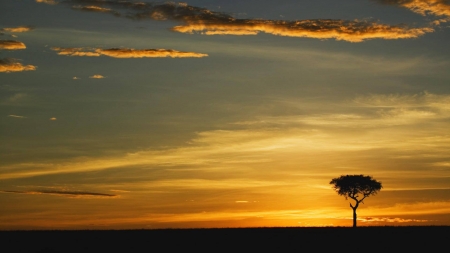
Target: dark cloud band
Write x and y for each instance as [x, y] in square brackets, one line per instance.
[204, 21]
[63, 193]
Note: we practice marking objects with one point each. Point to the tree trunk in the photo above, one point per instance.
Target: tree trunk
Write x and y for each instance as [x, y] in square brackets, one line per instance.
[354, 217]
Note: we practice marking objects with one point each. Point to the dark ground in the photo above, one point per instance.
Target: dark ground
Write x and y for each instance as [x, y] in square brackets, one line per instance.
[314, 239]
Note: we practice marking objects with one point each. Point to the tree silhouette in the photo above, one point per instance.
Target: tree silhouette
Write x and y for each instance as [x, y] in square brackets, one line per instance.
[356, 187]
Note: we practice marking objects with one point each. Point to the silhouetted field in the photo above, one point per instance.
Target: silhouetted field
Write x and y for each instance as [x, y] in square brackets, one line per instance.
[312, 239]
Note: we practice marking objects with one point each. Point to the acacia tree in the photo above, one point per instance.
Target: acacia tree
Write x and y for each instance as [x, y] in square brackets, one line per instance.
[356, 187]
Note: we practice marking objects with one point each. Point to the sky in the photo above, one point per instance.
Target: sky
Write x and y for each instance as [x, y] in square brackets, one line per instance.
[222, 113]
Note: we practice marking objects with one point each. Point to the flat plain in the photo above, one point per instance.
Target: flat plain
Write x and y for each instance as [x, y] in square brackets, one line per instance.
[274, 239]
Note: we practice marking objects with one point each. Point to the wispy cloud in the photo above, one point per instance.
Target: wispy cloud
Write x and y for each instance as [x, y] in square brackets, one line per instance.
[381, 111]
[424, 100]
[127, 53]
[115, 190]
[70, 194]
[309, 136]
[442, 164]
[12, 65]
[389, 220]
[18, 97]
[204, 21]
[416, 208]
[97, 76]
[18, 29]
[11, 44]
[16, 116]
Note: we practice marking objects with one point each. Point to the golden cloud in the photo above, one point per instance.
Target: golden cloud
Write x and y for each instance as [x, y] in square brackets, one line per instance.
[151, 53]
[11, 44]
[389, 220]
[127, 52]
[46, 1]
[74, 51]
[413, 208]
[423, 7]
[10, 65]
[97, 76]
[94, 8]
[352, 31]
[18, 29]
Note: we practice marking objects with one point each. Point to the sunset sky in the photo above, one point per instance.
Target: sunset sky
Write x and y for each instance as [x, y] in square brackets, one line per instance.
[222, 113]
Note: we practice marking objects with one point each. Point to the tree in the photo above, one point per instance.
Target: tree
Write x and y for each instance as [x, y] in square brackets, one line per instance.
[356, 187]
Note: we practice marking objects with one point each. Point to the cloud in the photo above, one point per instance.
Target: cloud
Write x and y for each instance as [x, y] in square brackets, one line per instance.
[152, 53]
[203, 184]
[53, 119]
[75, 51]
[97, 76]
[416, 208]
[442, 164]
[164, 11]
[351, 31]
[381, 110]
[364, 131]
[70, 194]
[94, 8]
[11, 44]
[389, 220]
[16, 116]
[126, 52]
[114, 190]
[423, 7]
[47, 1]
[11, 65]
[16, 98]
[18, 29]
[204, 21]
[424, 100]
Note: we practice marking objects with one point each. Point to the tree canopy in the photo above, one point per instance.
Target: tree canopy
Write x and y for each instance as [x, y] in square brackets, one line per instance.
[352, 186]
